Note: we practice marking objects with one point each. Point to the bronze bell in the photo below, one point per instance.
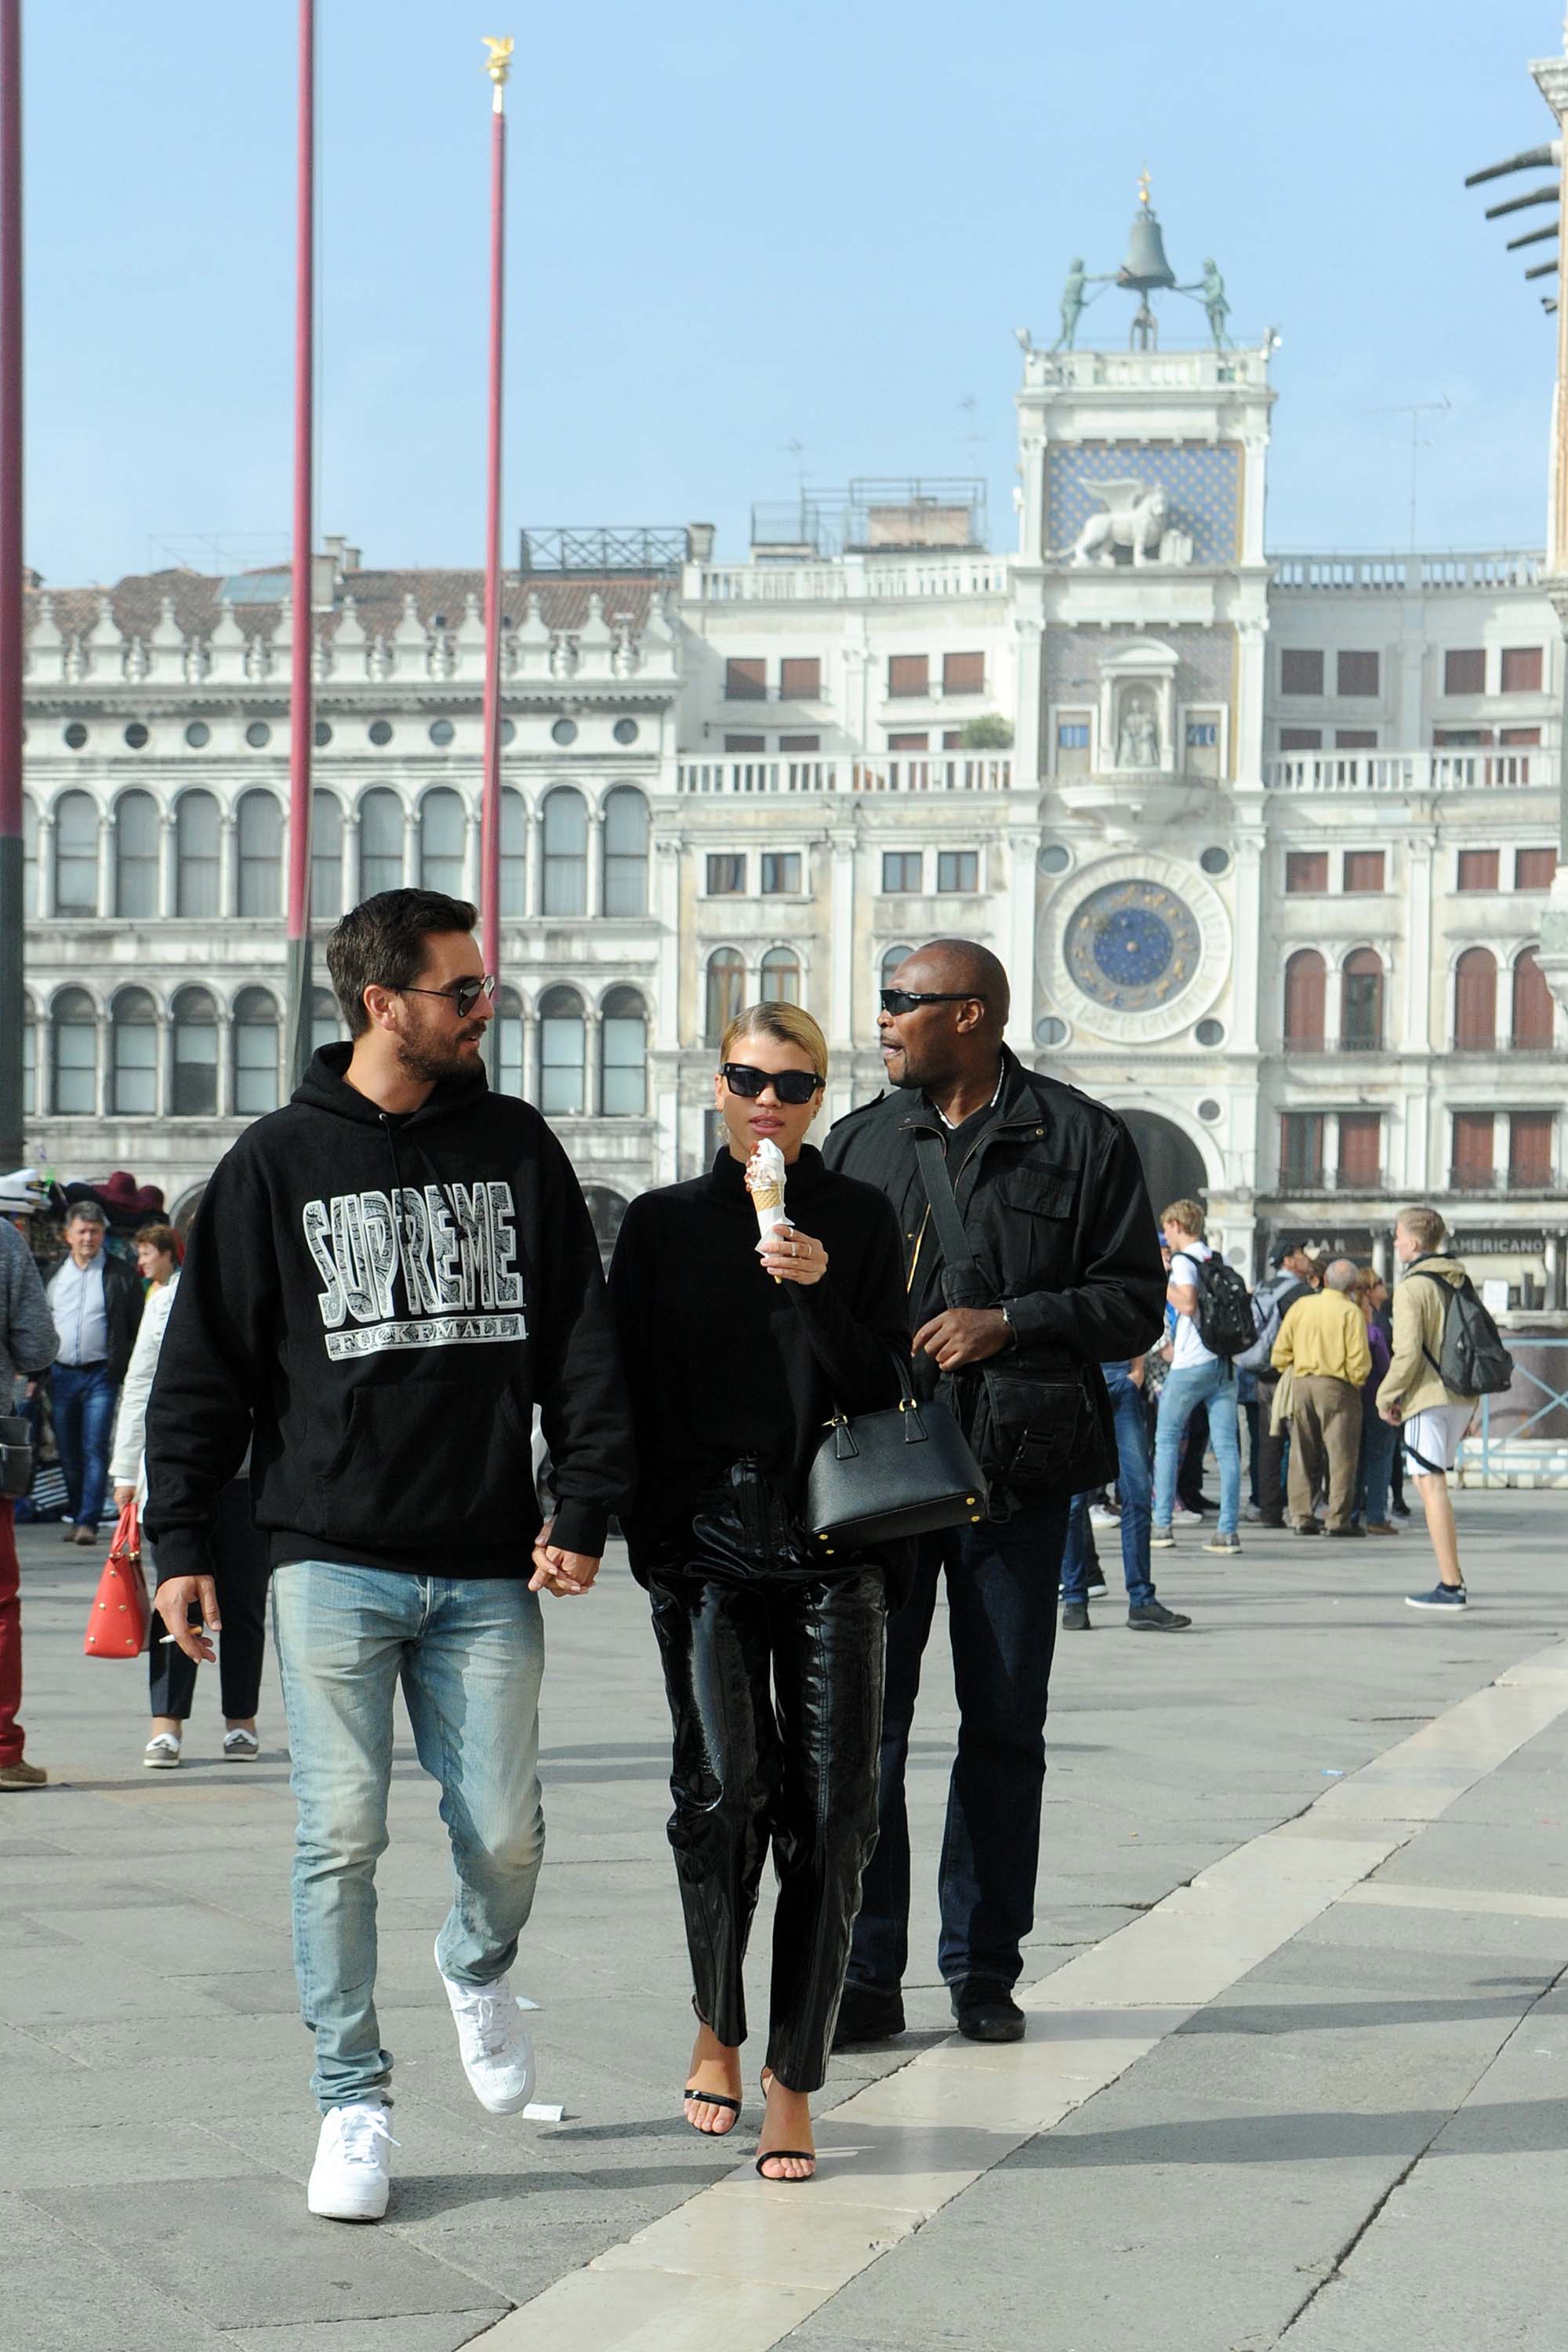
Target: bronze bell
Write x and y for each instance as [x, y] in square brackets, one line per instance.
[1145, 266]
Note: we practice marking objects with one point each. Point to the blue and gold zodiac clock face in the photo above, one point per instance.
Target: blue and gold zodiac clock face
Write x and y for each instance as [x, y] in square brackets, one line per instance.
[1133, 945]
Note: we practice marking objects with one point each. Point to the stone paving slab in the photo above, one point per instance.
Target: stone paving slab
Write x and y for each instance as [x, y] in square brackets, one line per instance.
[1166, 1756]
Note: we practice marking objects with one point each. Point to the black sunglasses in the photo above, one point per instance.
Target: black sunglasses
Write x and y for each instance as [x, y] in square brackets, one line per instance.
[904, 999]
[790, 1085]
[463, 994]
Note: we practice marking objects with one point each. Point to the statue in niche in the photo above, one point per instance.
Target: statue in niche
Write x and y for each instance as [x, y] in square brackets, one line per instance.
[1138, 744]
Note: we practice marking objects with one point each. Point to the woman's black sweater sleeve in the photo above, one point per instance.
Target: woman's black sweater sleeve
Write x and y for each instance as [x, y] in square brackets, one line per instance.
[857, 1318]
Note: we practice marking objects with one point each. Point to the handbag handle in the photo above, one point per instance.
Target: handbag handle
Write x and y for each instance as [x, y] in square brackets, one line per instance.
[844, 1446]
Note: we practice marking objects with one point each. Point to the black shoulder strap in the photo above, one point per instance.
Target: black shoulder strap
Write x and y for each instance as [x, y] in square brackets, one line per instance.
[932, 1163]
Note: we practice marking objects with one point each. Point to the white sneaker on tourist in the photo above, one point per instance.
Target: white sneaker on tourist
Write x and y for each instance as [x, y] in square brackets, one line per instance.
[351, 2178]
[161, 1753]
[1102, 1516]
[494, 2044]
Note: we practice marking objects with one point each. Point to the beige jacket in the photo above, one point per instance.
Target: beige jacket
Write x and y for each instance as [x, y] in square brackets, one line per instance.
[1324, 1336]
[1412, 1382]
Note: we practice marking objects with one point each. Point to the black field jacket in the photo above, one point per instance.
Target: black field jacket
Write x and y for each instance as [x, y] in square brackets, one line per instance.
[1054, 1208]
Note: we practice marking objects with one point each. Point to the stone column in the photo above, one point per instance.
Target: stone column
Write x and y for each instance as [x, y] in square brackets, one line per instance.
[410, 847]
[533, 866]
[596, 862]
[1554, 1269]
[227, 863]
[592, 1090]
[841, 940]
[1417, 1036]
[667, 852]
[105, 863]
[168, 868]
[530, 1056]
[473, 879]
[46, 860]
[350, 889]
[224, 1062]
[1021, 916]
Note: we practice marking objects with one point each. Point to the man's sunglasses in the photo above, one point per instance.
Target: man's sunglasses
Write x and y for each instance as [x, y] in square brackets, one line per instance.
[790, 1085]
[463, 994]
[904, 999]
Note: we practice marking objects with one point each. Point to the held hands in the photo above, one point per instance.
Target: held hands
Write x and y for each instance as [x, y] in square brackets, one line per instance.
[962, 1335]
[556, 1571]
[789, 1255]
[174, 1599]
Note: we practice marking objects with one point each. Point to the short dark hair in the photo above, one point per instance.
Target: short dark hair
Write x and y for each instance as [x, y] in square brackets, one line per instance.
[161, 1237]
[380, 943]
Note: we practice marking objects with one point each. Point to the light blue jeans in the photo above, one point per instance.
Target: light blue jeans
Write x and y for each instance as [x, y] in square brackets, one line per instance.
[1214, 1384]
[469, 1652]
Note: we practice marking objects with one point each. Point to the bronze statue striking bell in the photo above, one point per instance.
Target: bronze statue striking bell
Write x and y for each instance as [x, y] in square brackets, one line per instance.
[1145, 266]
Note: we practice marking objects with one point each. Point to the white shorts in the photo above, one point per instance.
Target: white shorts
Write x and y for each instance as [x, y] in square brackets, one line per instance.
[1431, 1439]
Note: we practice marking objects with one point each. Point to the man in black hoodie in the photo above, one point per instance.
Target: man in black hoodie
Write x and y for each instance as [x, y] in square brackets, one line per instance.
[382, 1280]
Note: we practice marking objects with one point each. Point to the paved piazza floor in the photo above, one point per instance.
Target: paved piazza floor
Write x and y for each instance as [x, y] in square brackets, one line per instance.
[1297, 2070]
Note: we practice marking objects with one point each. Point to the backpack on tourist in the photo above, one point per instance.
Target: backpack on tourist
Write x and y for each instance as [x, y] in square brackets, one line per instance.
[1472, 1360]
[1224, 1316]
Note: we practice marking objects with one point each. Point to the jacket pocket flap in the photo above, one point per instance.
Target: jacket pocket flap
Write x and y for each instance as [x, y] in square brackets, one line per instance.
[1043, 1191]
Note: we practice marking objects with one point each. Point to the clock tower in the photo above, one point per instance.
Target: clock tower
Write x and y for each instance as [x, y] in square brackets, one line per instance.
[1142, 591]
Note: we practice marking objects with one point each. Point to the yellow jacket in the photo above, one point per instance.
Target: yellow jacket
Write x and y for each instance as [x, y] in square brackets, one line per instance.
[1412, 1380]
[1324, 1335]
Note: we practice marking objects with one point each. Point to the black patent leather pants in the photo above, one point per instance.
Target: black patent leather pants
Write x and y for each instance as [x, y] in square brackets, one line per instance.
[774, 1678]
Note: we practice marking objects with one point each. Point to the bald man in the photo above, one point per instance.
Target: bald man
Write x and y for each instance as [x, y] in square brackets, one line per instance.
[1065, 1272]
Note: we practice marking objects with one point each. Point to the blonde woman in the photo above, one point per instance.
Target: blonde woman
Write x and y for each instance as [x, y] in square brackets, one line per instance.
[736, 1350]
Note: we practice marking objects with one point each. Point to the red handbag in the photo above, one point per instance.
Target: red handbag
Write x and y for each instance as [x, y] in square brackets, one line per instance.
[121, 1613]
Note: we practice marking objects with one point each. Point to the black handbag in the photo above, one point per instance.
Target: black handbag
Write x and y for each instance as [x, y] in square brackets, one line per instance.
[876, 1477]
[1039, 1425]
[16, 1456]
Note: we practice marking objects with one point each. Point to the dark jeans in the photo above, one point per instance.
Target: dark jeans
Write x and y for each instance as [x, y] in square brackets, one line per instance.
[239, 1565]
[1002, 1581]
[1134, 1492]
[13, 1738]
[1379, 1439]
[1270, 1457]
[84, 1399]
[1190, 1472]
[1252, 1418]
[774, 1679]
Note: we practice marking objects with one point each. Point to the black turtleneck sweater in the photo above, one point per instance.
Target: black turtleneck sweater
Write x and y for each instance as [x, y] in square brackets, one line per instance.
[722, 1360]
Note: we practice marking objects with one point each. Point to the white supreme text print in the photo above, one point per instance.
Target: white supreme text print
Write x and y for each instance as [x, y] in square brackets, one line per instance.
[457, 1247]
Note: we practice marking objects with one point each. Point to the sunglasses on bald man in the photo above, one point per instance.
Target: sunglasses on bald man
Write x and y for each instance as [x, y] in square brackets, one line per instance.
[904, 999]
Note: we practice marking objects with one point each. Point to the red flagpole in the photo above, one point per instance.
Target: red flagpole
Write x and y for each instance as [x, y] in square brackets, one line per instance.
[490, 805]
[299, 703]
[11, 850]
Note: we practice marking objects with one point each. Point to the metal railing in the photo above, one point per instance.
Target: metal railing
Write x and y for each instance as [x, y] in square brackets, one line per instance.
[1470, 770]
[956, 772]
[855, 578]
[1499, 1449]
[1395, 575]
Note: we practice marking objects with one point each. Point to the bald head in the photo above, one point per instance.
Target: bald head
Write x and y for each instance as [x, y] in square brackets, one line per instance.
[955, 966]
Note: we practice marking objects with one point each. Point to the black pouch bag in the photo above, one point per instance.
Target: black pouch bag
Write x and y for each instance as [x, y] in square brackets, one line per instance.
[1037, 1427]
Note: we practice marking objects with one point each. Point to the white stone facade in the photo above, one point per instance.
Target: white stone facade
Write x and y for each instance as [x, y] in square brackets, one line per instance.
[1245, 831]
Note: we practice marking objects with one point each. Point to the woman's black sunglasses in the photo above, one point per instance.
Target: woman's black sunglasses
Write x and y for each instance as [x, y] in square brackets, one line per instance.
[790, 1085]
[904, 999]
[463, 994]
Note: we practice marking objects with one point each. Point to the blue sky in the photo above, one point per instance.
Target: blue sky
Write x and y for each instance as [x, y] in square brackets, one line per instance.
[732, 228]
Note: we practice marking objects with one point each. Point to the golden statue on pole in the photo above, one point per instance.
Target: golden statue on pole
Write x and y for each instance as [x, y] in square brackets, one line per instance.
[498, 65]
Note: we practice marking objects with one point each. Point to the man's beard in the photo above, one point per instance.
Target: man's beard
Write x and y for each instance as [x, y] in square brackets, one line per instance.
[430, 1060]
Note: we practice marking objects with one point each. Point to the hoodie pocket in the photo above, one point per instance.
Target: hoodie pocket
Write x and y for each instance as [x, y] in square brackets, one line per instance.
[424, 1461]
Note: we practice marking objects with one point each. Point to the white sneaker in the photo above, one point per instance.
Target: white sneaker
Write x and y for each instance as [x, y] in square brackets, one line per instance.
[1100, 1517]
[240, 1747]
[351, 2178]
[494, 2043]
[162, 1754]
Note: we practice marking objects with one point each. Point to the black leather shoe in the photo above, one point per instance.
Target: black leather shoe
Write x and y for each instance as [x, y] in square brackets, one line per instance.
[865, 2016]
[1075, 1617]
[987, 2012]
[1154, 1617]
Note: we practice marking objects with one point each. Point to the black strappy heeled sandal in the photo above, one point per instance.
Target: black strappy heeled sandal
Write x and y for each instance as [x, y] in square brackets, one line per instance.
[778, 2155]
[712, 2099]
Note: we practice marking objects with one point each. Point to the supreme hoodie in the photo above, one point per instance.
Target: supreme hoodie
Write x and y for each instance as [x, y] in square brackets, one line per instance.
[375, 1303]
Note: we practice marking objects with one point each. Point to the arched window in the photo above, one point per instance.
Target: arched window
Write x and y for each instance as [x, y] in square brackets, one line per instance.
[725, 992]
[779, 977]
[29, 1058]
[891, 963]
[607, 1210]
[1475, 1000]
[29, 856]
[442, 832]
[74, 1048]
[136, 854]
[565, 854]
[623, 1054]
[76, 855]
[513, 854]
[1360, 1001]
[259, 832]
[1533, 1014]
[1304, 994]
[133, 1054]
[326, 858]
[194, 1092]
[196, 855]
[563, 1042]
[380, 843]
[255, 1052]
[326, 1021]
[626, 852]
[507, 1062]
